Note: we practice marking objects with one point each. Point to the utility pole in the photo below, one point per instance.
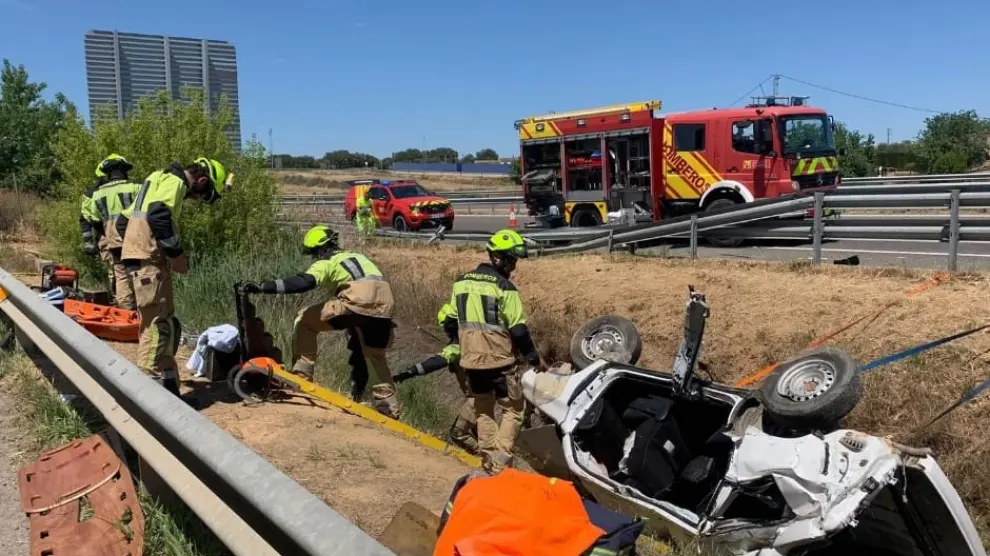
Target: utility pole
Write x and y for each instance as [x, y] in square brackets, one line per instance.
[888, 135]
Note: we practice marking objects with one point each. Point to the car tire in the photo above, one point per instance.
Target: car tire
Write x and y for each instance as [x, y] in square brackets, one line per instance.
[814, 391]
[718, 204]
[399, 224]
[592, 342]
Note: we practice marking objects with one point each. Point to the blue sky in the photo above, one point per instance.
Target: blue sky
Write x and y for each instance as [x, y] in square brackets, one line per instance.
[383, 75]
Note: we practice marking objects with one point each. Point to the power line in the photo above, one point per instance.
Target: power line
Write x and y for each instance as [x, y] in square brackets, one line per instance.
[749, 92]
[860, 97]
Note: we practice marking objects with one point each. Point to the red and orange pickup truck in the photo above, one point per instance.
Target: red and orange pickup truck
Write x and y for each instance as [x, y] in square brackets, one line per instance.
[403, 205]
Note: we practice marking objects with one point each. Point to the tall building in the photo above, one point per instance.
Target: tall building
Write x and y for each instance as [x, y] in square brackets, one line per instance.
[121, 68]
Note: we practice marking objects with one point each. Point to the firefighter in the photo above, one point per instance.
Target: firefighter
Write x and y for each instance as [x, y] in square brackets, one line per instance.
[464, 430]
[492, 333]
[361, 303]
[364, 219]
[102, 205]
[151, 252]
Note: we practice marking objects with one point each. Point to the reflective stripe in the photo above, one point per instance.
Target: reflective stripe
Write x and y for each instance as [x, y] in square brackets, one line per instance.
[101, 205]
[483, 326]
[169, 242]
[353, 267]
[170, 374]
[139, 203]
[280, 285]
[490, 305]
[419, 369]
[88, 234]
[125, 199]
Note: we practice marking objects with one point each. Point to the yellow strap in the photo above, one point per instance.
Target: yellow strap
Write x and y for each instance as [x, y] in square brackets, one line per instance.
[354, 408]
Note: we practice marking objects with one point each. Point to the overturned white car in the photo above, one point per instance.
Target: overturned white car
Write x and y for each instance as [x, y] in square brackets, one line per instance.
[763, 473]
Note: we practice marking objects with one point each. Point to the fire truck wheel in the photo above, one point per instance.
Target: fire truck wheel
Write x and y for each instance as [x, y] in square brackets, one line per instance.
[399, 224]
[585, 218]
[723, 241]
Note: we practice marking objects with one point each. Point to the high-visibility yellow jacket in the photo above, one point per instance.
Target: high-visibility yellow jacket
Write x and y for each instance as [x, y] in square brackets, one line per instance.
[150, 225]
[490, 320]
[101, 207]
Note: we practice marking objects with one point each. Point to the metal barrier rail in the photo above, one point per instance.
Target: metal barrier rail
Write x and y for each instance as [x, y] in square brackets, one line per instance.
[928, 178]
[252, 507]
[764, 219]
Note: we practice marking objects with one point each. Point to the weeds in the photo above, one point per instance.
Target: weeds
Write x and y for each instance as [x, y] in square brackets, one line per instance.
[169, 531]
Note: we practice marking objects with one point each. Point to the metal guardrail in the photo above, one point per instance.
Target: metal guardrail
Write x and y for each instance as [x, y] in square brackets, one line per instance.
[930, 178]
[252, 507]
[764, 219]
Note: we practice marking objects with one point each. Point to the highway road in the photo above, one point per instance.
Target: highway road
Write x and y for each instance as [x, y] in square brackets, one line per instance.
[884, 253]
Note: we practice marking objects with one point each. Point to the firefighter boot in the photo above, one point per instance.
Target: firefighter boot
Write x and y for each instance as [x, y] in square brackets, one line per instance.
[170, 381]
[386, 400]
[304, 368]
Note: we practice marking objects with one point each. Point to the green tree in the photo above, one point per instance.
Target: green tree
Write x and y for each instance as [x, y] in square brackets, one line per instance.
[28, 125]
[304, 161]
[859, 157]
[486, 154]
[157, 132]
[467, 159]
[949, 138]
[347, 159]
[409, 155]
[903, 155]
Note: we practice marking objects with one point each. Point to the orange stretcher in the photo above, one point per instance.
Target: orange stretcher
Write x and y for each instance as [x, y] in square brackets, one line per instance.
[108, 323]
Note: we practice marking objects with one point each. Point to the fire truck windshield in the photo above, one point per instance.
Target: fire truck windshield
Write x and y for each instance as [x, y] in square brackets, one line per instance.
[807, 134]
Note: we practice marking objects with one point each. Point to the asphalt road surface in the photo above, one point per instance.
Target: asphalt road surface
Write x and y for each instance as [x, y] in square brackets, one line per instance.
[973, 255]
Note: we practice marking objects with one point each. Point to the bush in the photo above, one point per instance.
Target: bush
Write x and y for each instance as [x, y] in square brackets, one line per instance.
[159, 131]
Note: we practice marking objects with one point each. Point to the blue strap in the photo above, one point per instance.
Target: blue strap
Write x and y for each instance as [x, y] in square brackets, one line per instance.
[917, 349]
[968, 397]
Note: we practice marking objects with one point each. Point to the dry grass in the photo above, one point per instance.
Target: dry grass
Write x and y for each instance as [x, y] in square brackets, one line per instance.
[318, 182]
[17, 211]
[762, 313]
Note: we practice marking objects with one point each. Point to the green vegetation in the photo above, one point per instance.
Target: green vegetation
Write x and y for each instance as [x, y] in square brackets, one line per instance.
[343, 159]
[159, 131]
[28, 126]
[169, 531]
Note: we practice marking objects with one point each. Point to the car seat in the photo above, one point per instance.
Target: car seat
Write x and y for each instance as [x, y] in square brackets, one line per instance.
[659, 454]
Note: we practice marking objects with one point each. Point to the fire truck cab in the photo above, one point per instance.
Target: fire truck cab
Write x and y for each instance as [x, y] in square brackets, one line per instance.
[626, 163]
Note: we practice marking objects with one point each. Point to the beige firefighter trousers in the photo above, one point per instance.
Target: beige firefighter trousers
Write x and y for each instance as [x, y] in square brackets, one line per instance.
[308, 325]
[160, 329]
[123, 286]
[496, 439]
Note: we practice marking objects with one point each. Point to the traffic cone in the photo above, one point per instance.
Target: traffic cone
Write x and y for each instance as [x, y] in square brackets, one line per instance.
[512, 216]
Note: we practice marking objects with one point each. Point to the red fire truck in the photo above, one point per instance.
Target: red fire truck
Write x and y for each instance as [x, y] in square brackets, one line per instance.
[628, 162]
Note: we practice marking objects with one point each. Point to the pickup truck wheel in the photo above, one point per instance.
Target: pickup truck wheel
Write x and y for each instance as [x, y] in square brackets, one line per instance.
[814, 391]
[399, 224]
[608, 337]
[723, 241]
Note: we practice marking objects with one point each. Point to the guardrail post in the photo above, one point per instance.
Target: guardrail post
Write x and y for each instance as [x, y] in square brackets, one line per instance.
[953, 229]
[610, 233]
[694, 236]
[818, 228]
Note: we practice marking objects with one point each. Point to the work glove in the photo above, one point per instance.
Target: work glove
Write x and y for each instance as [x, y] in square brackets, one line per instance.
[250, 287]
[91, 250]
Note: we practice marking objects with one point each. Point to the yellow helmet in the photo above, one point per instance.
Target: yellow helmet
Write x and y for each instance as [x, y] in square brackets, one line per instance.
[110, 163]
[320, 236]
[218, 177]
[508, 242]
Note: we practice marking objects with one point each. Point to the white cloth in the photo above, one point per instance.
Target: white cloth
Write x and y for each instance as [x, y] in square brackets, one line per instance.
[223, 338]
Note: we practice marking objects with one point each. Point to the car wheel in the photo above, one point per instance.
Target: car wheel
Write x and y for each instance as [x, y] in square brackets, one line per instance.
[609, 337]
[400, 224]
[723, 241]
[814, 391]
